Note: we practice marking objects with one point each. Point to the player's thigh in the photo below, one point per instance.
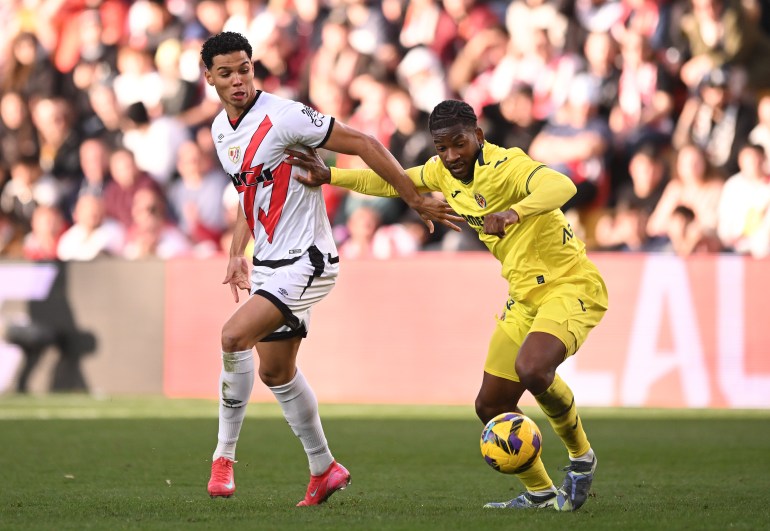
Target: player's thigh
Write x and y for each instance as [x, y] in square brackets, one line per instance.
[278, 360]
[572, 309]
[295, 290]
[511, 330]
[253, 320]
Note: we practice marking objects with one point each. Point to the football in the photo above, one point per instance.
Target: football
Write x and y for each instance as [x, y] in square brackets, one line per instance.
[511, 442]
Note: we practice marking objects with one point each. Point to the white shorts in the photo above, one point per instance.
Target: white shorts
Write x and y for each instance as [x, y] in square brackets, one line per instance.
[295, 287]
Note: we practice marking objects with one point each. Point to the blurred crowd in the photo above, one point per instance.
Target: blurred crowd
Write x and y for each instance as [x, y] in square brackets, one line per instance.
[658, 110]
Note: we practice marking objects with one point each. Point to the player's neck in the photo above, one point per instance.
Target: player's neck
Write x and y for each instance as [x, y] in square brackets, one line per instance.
[234, 113]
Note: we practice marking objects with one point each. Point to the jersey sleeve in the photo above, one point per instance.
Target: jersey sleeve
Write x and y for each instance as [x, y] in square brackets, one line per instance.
[306, 126]
[368, 182]
[543, 189]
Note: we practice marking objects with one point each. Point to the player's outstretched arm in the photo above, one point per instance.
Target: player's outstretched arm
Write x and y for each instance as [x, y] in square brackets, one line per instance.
[344, 139]
[238, 266]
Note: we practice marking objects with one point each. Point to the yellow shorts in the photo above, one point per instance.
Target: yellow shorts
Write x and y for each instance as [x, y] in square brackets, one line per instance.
[568, 309]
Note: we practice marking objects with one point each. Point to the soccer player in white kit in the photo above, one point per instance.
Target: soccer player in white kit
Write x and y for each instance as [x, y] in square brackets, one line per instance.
[295, 262]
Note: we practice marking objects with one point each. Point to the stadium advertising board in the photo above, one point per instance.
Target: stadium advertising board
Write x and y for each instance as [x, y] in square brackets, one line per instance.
[679, 333]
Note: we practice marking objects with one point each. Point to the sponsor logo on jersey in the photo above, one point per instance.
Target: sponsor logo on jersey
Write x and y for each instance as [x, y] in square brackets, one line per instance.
[219, 138]
[316, 118]
[283, 292]
[480, 200]
[234, 153]
[454, 194]
[295, 251]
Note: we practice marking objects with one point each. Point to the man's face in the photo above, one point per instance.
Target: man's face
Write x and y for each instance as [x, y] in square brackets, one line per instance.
[458, 147]
[232, 75]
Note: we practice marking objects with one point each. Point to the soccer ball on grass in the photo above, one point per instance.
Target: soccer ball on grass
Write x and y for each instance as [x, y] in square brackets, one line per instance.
[511, 442]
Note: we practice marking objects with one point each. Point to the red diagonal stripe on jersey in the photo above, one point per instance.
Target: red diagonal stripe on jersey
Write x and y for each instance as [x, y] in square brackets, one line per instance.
[280, 182]
[250, 173]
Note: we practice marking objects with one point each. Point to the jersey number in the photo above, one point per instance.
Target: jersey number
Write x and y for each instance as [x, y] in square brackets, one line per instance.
[251, 176]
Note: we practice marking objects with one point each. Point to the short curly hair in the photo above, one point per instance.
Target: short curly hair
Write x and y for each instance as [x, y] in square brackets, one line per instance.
[452, 112]
[224, 43]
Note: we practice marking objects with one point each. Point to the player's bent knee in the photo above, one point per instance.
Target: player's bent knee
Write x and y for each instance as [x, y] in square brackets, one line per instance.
[232, 340]
[276, 376]
[535, 377]
[486, 410]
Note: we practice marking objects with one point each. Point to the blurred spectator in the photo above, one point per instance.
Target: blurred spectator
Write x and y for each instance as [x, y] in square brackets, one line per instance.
[279, 58]
[92, 235]
[470, 73]
[138, 80]
[720, 34]
[126, 180]
[601, 57]
[71, 45]
[97, 61]
[11, 237]
[716, 120]
[745, 202]
[696, 186]
[335, 61]
[105, 118]
[687, 235]
[536, 62]
[144, 135]
[196, 197]
[511, 122]
[177, 94]
[18, 137]
[58, 138]
[150, 23]
[598, 15]
[760, 135]
[370, 115]
[422, 74]
[577, 142]
[28, 188]
[624, 227]
[151, 235]
[368, 27]
[94, 173]
[42, 242]
[649, 18]
[645, 105]
[29, 71]
[411, 142]
[368, 238]
[521, 15]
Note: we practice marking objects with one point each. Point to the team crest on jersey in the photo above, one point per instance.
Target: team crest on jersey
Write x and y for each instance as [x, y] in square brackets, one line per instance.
[234, 153]
[480, 200]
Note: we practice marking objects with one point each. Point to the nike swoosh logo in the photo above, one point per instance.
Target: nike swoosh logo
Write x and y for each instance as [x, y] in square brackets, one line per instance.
[454, 194]
[500, 162]
[230, 485]
[312, 494]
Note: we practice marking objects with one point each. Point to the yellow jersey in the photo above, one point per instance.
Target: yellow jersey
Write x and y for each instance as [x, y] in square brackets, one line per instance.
[539, 249]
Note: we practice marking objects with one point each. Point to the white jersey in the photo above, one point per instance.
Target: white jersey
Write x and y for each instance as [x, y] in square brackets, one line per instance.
[285, 216]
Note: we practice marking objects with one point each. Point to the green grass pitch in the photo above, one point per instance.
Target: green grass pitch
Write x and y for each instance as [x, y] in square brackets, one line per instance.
[74, 462]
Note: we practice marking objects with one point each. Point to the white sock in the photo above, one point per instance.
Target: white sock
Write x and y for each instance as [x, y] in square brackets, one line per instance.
[587, 457]
[552, 490]
[235, 383]
[300, 409]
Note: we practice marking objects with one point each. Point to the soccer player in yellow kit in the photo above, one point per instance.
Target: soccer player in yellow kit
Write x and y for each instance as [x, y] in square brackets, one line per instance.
[556, 294]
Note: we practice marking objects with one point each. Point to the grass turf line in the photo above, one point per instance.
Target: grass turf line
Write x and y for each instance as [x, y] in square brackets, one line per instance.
[412, 469]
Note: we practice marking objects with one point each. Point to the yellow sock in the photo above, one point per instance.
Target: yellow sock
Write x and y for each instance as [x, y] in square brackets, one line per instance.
[535, 478]
[558, 403]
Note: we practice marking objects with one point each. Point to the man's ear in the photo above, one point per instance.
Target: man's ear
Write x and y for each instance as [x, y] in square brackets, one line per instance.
[480, 136]
[209, 77]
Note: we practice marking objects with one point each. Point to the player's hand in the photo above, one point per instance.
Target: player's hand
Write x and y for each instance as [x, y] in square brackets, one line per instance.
[431, 209]
[317, 172]
[237, 275]
[496, 223]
